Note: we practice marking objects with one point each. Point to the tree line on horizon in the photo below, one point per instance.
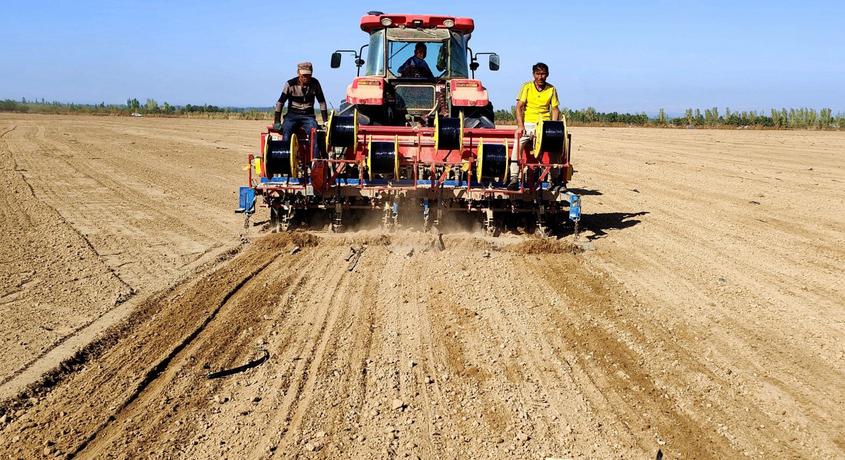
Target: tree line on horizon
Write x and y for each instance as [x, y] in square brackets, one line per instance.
[793, 118]
[133, 106]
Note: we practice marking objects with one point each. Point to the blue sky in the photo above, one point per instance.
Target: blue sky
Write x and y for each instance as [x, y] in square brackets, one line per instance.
[612, 55]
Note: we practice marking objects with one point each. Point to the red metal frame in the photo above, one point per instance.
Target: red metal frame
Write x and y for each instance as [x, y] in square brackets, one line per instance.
[372, 22]
[416, 148]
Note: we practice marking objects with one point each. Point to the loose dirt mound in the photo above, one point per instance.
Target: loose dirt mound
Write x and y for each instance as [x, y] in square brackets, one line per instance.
[543, 246]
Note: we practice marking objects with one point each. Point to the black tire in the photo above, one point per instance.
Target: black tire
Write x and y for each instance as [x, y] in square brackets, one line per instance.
[477, 117]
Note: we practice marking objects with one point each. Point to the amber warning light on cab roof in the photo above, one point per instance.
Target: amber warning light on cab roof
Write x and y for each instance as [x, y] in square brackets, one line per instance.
[375, 21]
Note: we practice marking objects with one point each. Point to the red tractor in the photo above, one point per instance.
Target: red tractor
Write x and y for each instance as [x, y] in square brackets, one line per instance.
[415, 145]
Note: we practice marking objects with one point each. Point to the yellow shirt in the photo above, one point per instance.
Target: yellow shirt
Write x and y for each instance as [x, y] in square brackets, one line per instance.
[538, 104]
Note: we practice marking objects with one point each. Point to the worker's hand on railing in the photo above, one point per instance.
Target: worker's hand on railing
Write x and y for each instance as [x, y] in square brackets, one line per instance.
[277, 127]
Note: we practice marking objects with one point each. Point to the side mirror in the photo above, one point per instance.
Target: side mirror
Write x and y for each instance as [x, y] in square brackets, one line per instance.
[335, 60]
[494, 62]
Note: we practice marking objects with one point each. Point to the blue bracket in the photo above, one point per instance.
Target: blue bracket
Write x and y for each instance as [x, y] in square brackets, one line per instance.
[574, 207]
[246, 200]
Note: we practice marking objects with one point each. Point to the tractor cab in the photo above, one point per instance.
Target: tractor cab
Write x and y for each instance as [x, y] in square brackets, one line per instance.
[417, 67]
[445, 53]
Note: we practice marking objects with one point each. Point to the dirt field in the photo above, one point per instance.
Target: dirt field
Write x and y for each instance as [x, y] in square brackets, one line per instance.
[708, 322]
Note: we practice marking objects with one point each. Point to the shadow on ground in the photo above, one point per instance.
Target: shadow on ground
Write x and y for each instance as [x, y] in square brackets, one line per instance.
[585, 192]
[600, 223]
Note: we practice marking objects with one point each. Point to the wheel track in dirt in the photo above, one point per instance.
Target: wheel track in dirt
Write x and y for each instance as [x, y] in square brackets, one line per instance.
[600, 352]
[227, 342]
[102, 205]
[678, 237]
[343, 327]
[554, 384]
[14, 152]
[739, 250]
[360, 347]
[545, 384]
[104, 387]
[655, 359]
[105, 202]
[398, 312]
[38, 140]
[464, 316]
[304, 356]
[311, 352]
[421, 339]
[3, 134]
[162, 366]
[345, 378]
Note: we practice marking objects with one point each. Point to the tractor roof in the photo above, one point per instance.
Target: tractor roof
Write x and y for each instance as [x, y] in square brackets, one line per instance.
[373, 22]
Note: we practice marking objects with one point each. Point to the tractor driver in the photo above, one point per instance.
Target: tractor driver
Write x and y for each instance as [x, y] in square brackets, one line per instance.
[537, 100]
[300, 91]
[415, 66]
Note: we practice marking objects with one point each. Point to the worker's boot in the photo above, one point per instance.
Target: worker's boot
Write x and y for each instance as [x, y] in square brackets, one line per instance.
[513, 180]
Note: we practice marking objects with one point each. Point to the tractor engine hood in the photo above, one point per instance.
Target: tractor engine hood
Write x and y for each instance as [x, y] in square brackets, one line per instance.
[468, 93]
[366, 91]
[371, 91]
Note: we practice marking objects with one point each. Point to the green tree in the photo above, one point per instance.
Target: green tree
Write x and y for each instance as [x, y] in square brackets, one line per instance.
[812, 118]
[825, 118]
[504, 116]
[133, 105]
[776, 120]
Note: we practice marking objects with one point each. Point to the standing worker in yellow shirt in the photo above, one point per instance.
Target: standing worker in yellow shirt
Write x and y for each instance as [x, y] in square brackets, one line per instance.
[537, 100]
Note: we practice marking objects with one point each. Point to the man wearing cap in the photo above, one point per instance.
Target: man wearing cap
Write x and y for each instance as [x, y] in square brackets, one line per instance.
[300, 91]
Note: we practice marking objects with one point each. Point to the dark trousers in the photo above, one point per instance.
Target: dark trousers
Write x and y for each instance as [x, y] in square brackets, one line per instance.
[293, 122]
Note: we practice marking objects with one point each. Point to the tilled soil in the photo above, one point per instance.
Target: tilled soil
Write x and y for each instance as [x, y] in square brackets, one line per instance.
[97, 212]
[706, 323]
